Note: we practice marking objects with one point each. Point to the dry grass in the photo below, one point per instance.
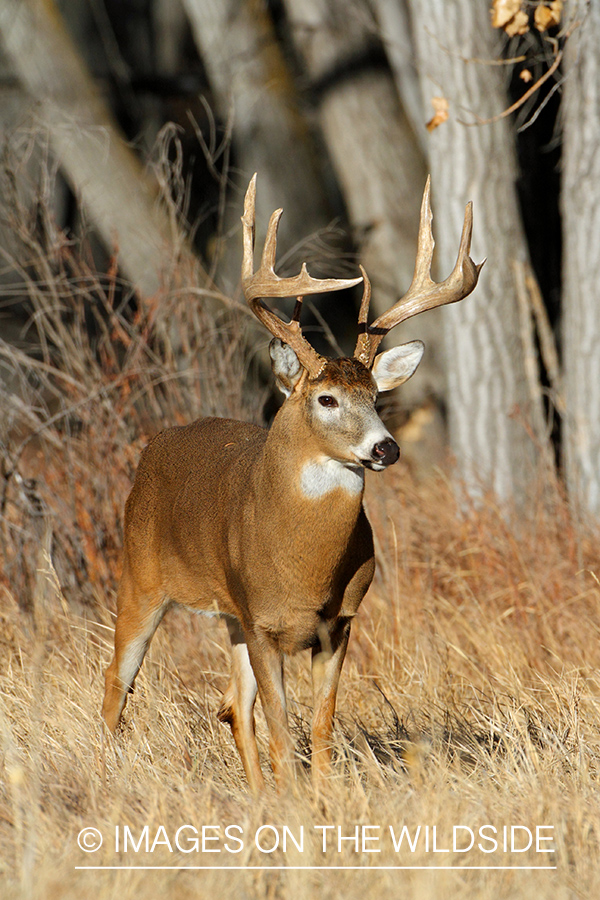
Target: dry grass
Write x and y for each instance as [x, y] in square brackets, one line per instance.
[470, 694]
[470, 697]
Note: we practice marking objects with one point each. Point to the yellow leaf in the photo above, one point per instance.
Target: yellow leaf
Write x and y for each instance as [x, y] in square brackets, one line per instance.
[440, 112]
[503, 11]
[548, 16]
[517, 25]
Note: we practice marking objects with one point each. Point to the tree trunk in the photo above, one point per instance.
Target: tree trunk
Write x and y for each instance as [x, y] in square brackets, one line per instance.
[253, 87]
[581, 257]
[490, 410]
[375, 155]
[393, 21]
[22, 160]
[102, 170]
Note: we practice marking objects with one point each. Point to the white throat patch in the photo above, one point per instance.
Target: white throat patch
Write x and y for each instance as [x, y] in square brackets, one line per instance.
[322, 477]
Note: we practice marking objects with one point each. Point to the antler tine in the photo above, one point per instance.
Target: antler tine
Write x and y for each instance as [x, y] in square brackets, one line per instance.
[248, 229]
[425, 241]
[363, 342]
[269, 254]
[363, 313]
[424, 293]
[265, 283]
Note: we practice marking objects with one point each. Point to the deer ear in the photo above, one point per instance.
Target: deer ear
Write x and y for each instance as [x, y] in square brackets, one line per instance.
[395, 366]
[286, 366]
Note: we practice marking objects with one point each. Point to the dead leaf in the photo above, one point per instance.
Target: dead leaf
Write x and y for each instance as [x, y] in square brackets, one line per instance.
[440, 113]
[525, 76]
[517, 25]
[503, 11]
[548, 16]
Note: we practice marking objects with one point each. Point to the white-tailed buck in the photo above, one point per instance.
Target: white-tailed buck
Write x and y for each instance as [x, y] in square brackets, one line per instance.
[267, 528]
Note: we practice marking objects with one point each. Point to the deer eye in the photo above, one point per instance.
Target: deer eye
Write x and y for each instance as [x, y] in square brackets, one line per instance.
[328, 401]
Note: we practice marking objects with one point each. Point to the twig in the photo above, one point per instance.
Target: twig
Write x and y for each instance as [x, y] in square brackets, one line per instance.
[528, 93]
[530, 121]
[532, 372]
[548, 349]
[478, 60]
[329, 335]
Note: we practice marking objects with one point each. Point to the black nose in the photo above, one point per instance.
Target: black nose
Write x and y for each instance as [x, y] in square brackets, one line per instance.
[386, 452]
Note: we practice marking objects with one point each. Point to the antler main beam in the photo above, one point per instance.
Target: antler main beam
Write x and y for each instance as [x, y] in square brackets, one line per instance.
[423, 293]
[265, 283]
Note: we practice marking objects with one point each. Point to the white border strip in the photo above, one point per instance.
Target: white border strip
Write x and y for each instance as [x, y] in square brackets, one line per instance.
[317, 868]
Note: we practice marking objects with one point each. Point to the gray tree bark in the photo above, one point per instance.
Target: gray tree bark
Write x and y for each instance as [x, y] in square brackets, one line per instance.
[253, 87]
[489, 406]
[21, 156]
[375, 154]
[394, 25]
[581, 257]
[120, 200]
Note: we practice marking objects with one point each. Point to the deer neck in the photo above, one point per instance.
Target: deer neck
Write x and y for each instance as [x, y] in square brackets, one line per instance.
[302, 482]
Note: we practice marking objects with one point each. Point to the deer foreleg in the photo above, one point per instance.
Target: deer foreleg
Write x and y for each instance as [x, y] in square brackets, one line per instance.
[327, 661]
[267, 662]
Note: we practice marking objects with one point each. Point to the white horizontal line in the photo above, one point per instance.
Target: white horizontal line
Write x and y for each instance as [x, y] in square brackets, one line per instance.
[320, 868]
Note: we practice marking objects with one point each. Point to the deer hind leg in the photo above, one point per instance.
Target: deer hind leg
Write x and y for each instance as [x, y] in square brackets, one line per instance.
[237, 706]
[137, 620]
[327, 661]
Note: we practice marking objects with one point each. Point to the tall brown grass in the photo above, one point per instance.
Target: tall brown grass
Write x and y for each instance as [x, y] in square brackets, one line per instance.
[470, 695]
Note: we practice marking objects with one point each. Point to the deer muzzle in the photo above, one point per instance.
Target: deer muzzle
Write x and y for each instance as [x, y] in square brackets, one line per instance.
[383, 454]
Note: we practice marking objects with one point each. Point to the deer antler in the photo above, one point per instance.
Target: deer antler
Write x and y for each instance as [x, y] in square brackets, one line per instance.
[423, 293]
[265, 283]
